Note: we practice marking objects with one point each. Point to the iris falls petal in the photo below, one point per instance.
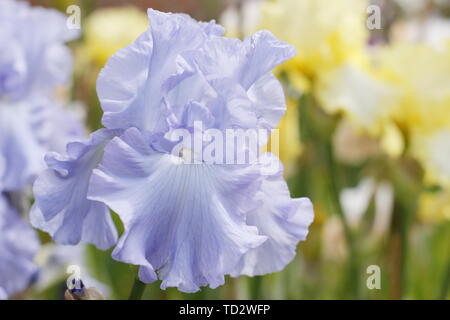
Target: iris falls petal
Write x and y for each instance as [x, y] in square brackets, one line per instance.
[283, 220]
[184, 224]
[61, 190]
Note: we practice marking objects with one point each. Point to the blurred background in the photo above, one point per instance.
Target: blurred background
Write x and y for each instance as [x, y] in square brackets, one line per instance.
[366, 137]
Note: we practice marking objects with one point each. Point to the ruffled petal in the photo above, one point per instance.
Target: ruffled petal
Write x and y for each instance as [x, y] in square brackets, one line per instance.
[135, 80]
[243, 61]
[61, 190]
[61, 125]
[121, 81]
[264, 52]
[241, 71]
[178, 62]
[212, 28]
[18, 246]
[184, 224]
[283, 220]
[268, 100]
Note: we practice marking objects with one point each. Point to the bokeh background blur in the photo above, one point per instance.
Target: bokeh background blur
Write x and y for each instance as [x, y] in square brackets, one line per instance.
[366, 137]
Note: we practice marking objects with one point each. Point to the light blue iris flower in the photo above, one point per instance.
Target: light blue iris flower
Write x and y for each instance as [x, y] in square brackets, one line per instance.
[34, 61]
[18, 245]
[187, 225]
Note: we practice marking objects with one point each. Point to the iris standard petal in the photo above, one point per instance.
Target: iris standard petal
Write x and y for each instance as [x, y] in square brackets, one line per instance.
[184, 224]
[243, 61]
[241, 71]
[179, 61]
[268, 100]
[120, 83]
[134, 81]
[264, 52]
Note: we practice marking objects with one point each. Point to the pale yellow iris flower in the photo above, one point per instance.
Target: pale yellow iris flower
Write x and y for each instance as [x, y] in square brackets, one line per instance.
[422, 74]
[399, 93]
[331, 63]
[325, 33]
[334, 65]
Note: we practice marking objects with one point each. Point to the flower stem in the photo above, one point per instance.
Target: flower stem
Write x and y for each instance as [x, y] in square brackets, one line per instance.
[256, 288]
[397, 253]
[137, 290]
[349, 236]
[408, 189]
[317, 131]
[446, 283]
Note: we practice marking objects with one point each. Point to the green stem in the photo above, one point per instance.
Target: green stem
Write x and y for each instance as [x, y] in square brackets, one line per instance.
[405, 207]
[398, 252]
[137, 290]
[349, 236]
[256, 288]
[322, 144]
[405, 223]
[446, 284]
